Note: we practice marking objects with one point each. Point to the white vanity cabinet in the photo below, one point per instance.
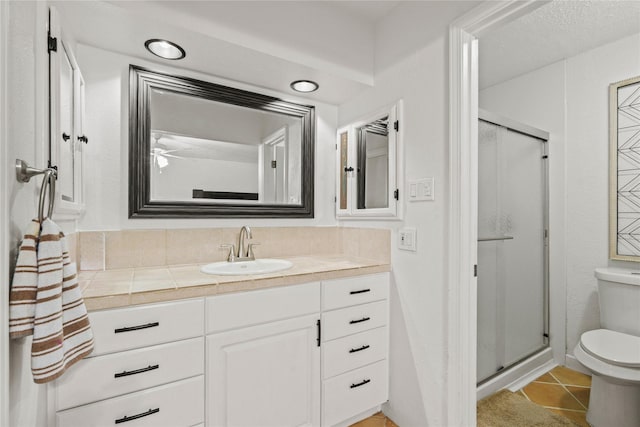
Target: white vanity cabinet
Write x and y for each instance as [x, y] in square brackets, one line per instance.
[263, 369]
[147, 369]
[355, 377]
[304, 355]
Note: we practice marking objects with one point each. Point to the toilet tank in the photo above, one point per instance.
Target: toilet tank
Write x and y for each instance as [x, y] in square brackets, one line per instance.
[619, 296]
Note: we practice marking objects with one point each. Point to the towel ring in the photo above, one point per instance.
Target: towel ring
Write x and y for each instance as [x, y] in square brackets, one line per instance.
[50, 181]
[24, 173]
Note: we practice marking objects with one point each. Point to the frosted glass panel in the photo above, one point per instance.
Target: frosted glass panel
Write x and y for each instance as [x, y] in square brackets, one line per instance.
[511, 270]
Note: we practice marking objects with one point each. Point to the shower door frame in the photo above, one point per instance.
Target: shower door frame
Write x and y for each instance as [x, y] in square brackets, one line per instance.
[542, 137]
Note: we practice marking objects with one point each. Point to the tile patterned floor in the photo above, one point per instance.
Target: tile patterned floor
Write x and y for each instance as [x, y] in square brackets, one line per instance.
[563, 391]
[376, 420]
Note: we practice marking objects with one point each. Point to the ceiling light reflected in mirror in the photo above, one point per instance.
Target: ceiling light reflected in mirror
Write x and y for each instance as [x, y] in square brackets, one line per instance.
[165, 49]
[304, 86]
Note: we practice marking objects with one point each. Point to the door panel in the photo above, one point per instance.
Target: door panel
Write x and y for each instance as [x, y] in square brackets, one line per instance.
[267, 375]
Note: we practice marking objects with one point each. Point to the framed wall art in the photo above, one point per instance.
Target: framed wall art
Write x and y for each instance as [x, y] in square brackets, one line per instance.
[624, 169]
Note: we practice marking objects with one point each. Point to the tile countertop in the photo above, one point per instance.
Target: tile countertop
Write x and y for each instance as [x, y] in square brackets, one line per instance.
[131, 286]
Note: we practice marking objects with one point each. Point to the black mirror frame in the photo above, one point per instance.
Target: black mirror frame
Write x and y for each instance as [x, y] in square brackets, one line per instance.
[141, 82]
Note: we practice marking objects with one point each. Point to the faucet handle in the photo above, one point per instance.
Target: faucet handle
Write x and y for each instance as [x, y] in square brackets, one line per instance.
[250, 250]
[232, 251]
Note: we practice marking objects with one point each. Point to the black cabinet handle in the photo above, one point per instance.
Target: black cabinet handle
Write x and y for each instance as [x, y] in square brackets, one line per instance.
[362, 291]
[135, 417]
[65, 137]
[364, 319]
[137, 371]
[360, 383]
[355, 350]
[349, 169]
[83, 138]
[136, 328]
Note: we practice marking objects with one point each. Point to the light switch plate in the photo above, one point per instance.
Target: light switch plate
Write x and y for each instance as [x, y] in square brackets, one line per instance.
[421, 190]
[407, 239]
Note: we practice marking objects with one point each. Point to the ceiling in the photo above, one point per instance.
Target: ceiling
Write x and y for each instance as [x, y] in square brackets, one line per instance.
[264, 43]
[554, 31]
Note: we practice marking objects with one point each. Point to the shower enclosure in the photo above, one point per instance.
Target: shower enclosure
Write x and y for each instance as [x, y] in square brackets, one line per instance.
[513, 296]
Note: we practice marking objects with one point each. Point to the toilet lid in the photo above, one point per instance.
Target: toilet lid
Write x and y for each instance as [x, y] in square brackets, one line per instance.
[613, 347]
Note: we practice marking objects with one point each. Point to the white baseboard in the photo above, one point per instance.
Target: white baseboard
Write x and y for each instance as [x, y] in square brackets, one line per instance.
[572, 363]
[526, 379]
[519, 375]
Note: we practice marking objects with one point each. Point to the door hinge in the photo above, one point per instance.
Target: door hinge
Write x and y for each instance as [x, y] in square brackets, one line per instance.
[335, 199]
[475, 270]
[319, 331]
[273, 164]
[396, 125]
[396, 194]
[52, 44]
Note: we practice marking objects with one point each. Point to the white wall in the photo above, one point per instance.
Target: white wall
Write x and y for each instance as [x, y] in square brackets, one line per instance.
[570, 100]
[106, 77]
[588, 78]
[411, 64]
[27, 133]
[182, 175]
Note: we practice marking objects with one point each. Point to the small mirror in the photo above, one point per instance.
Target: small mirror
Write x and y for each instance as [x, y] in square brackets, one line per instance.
[202, 149]
[369, 170]
[373, 164]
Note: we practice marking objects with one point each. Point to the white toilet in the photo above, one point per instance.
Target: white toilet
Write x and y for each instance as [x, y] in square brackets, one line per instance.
[612, 353]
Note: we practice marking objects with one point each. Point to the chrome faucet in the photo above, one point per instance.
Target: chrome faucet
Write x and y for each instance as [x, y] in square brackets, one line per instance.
[244, 231]
[243, 253]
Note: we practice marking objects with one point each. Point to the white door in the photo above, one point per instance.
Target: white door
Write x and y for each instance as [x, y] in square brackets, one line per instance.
[264, 376]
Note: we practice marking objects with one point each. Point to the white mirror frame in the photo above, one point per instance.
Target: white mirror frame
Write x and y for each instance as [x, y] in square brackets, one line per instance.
[396, 170]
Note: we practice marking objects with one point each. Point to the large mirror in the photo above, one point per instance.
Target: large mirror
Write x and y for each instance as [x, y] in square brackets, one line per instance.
[202, 149]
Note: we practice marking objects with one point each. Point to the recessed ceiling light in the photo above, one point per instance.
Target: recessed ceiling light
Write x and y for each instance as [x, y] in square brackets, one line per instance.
[164, 49]
[304, 86]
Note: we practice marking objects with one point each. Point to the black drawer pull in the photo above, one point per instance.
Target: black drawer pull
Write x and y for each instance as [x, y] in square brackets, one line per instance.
[362, 291]
[135, 417]
[136, 328]
[137, 371]
[360, 383]
[355, 350]
[364, 319]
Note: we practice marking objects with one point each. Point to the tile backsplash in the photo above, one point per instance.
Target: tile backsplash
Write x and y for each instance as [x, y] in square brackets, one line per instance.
[108, 250]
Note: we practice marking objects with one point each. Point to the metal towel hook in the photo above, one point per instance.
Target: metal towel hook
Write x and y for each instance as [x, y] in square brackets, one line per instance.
[24, 173]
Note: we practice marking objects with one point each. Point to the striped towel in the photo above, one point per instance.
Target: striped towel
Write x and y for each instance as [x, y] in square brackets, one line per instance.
[45, 301]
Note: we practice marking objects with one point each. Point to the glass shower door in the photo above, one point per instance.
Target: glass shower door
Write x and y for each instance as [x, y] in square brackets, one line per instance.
[512, 302]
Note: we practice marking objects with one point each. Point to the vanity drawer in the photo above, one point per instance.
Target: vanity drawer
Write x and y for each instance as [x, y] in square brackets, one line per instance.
[349, 394]
[354, 351]
[354, 290]
[102, 377]
[141, 326]
[179, 404]
[242, 309]
[351, 320]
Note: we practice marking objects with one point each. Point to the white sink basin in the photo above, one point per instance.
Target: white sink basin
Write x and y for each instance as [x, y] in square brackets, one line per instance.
[258, 266]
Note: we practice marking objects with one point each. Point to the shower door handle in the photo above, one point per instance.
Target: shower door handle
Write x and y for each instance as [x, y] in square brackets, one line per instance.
[491, 239]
